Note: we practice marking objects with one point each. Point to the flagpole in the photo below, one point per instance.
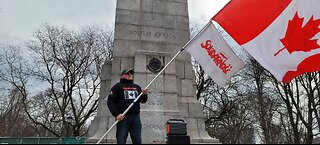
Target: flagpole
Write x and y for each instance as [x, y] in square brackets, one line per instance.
[174, 57]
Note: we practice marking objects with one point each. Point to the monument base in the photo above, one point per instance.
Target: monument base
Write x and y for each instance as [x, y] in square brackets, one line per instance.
[154, 133]
[94, 140]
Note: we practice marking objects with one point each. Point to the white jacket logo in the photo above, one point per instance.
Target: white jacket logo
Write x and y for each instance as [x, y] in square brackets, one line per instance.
[130, 94]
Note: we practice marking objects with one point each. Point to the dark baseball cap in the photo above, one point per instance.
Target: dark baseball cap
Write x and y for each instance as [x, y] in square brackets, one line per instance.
[126, 71]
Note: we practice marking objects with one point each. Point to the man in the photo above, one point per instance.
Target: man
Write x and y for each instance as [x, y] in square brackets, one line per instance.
[121, 97]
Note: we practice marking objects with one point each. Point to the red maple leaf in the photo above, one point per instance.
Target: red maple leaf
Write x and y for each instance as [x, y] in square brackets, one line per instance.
[298, 38]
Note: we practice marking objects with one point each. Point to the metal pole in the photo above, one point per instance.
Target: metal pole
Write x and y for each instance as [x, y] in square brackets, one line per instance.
[174, 57]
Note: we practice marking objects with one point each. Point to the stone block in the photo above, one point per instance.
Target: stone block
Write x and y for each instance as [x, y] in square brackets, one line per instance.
[183, 107]
[153, 48]
[94, 126]
[204, 133]
[169, 86]
[108, 70]
[103, 108]
[153, 127]
[116, 66]
[171, 103]
[180, 69]
[129, 4]
[182, 22]
[192, 128]
[140, 79]
[156, 102]
[185, 56]
[172, 114]
[104, 90]
[179, 86]
[171, 69]
[195, 108]
[189, 74]
[158, 84]
[114, 79]
[125, 33]
[180, 1]
[187, 88]
[140, 65]
[126, 63]
[112, 134]
[98, 127]
[148, 6]
[122, 16]
[175, 8]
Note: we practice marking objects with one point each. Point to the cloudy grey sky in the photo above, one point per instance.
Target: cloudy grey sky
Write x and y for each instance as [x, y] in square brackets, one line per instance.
[19, 18]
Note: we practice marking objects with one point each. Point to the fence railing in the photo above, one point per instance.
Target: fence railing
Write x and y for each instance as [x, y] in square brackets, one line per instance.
[42, 140]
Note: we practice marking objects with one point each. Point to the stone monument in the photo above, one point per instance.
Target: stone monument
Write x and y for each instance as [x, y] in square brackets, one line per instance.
[148, 33]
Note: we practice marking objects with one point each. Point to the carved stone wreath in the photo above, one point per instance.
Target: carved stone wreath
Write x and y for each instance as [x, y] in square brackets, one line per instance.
[155, 65]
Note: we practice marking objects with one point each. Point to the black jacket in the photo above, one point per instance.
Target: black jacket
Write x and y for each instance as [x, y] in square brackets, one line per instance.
[122, 95]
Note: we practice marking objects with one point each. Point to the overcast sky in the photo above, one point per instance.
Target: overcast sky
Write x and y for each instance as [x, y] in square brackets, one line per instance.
[19, 18]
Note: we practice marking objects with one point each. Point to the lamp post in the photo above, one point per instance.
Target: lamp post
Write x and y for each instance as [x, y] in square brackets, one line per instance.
[69, 121]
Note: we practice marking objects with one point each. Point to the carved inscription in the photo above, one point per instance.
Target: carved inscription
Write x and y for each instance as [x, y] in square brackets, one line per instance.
[157, 99]
[153, 126]
[153, 34]
[157, 102]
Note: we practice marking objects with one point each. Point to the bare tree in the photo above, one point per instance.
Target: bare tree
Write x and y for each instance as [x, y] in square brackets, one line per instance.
[13, 120]
[262, 100]
[65, 66]
[232, 126]
[301, 98]
[226, 109]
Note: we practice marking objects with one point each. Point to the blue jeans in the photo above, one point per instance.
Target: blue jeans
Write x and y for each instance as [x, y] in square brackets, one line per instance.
[130, 124]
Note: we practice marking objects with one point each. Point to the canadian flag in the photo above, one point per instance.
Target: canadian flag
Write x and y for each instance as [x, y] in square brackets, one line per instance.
[282, 35]
[215, 56]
